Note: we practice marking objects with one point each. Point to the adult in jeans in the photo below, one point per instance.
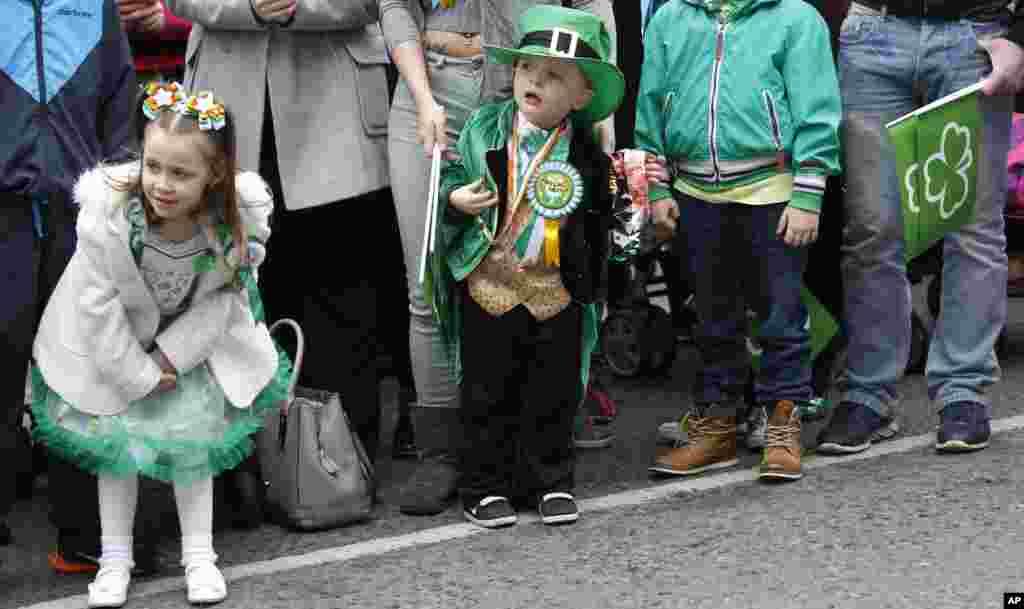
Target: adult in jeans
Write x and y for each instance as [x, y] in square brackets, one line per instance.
[306, 81]
[894, 56]
[437, 46]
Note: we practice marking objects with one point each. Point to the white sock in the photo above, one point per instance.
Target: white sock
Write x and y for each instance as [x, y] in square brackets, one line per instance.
[118, 498]
[195, 512]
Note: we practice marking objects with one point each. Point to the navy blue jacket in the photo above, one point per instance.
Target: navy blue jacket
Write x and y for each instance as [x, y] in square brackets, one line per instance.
[67, 91]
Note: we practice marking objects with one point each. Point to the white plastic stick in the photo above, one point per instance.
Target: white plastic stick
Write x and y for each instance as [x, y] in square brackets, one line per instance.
[435, 191]
[428, 228]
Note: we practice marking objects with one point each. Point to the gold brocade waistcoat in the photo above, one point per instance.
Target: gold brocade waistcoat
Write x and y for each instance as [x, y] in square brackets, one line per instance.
[500, 282]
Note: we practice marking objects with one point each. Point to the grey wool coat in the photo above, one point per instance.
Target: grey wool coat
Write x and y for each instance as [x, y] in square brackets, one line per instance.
[327, 89]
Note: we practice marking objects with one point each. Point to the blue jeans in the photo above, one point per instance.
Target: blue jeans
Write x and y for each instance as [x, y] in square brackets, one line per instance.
[889, 66]
[738, 262]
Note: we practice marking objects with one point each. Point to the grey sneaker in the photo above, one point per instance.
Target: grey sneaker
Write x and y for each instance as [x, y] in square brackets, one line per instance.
[431, 489]
[673, 432]
[757, 428]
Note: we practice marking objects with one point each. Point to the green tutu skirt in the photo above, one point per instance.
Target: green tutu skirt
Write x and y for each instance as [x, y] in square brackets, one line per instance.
[184, 435]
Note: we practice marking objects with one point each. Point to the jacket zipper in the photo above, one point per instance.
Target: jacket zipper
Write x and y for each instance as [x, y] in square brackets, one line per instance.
[716, 73]
[37, 6]
[780, 154]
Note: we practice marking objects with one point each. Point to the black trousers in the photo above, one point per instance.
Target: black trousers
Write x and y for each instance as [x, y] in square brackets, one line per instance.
[520, 392]
[32, 265]
[321, 270]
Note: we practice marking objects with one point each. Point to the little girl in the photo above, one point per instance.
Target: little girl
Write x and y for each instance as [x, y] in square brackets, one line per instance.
[151, 356]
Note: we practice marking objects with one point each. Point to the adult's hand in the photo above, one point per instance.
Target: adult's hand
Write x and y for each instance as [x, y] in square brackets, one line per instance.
[274, 10]
[1007, 75]
[152, 24]
[431, 125]
[135, 13]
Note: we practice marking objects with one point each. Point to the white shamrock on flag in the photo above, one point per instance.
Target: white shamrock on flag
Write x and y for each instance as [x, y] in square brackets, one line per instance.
[908, 182]
[945, 172]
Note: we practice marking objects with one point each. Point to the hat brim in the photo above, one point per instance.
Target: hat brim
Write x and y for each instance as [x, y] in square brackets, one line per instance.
[606, 80]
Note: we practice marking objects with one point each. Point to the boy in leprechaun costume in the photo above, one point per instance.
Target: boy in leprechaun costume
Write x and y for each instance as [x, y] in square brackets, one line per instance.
[520, 252]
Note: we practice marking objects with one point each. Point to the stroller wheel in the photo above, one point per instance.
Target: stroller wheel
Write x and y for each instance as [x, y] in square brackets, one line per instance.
[620, 342]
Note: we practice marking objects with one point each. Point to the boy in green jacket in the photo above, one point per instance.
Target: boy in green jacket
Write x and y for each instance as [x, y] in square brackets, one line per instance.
[741, 97]
[522, 236]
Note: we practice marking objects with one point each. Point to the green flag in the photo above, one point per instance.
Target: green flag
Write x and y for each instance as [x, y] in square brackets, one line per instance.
[937, 150]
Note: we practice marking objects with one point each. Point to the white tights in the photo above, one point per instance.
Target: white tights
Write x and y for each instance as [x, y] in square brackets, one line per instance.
[118, 498]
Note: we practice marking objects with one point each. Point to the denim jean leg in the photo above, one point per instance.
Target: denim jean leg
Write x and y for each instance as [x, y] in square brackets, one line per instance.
[785, 372]
[717, 258]
[877, 59]
[961, 359]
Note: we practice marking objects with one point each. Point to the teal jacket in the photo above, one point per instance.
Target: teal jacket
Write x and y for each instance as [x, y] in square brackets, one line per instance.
[736, 99]
[462, 243]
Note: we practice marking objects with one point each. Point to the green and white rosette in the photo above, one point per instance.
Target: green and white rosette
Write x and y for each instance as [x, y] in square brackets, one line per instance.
[554, 192]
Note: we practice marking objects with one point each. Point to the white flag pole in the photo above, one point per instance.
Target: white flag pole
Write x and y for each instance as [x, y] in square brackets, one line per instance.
[428, 228]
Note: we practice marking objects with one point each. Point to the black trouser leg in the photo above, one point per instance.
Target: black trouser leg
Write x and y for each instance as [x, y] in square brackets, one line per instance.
[17, 318]
[492, 366]
[339, 305]
[551, 393]
[33, 265]
[520, 392]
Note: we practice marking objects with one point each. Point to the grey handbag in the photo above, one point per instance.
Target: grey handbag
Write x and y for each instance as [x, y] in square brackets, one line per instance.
[317, 472]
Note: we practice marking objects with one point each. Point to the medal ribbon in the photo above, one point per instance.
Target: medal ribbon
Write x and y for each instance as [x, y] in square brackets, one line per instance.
[551, 226]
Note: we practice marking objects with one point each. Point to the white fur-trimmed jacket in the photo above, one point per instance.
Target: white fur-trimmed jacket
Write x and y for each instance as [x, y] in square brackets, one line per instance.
[101, 320]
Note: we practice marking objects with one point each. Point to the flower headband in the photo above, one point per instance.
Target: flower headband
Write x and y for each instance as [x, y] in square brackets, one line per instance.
[171, 96]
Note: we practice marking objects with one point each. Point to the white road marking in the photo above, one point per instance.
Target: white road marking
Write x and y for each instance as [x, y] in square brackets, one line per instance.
[452, 532]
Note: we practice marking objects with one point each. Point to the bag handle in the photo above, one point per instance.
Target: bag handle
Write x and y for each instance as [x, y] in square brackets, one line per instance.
[300, 349]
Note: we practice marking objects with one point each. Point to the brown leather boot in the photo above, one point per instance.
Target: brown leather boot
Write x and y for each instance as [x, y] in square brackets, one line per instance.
[712, 446]
[781, 458]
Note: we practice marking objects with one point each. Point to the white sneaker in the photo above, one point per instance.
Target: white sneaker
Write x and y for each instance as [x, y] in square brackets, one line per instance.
[205, 583]
[110, 587]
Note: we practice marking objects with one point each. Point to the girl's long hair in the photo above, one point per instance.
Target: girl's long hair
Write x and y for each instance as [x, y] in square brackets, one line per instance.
[221, 198]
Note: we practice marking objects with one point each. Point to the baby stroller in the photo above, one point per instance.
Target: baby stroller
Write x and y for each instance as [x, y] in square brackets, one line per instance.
[638, 336]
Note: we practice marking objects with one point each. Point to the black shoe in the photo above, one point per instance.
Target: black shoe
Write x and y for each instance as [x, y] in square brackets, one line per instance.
[432, 488]
[491, 512]
[558, 508]
[963, 427]
[853, 428]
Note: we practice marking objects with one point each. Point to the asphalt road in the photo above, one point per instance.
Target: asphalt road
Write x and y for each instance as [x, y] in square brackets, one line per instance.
[908, 530]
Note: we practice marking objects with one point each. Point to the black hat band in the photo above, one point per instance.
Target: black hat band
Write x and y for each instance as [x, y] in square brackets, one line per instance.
[565, 43]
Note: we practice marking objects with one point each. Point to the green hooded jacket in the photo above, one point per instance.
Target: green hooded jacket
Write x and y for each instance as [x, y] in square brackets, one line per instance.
[735, 96]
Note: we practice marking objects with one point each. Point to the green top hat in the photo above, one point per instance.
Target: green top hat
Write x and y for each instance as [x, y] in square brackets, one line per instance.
[578, 36]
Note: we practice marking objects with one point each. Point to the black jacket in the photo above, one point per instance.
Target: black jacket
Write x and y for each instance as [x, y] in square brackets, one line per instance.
[583, 239]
